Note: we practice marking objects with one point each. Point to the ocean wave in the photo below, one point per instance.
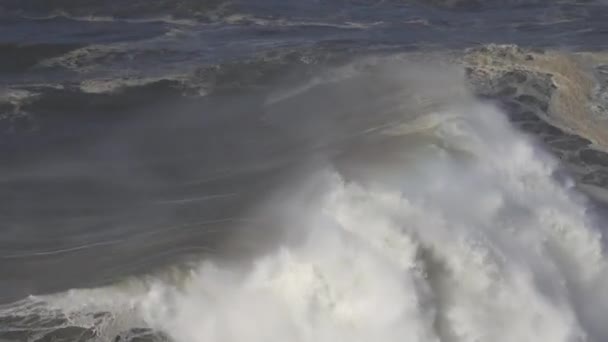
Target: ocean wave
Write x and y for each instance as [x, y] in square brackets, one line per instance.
[432, 229]
[554, 95]
[20, 57]
[95, 8]
[479, 4]
[108, 19]
[287, 170]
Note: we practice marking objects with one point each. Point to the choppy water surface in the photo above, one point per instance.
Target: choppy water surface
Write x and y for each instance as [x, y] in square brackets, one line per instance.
[303, 170]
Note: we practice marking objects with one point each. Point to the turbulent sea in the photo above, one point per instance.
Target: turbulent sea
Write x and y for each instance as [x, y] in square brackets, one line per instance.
[304, 170]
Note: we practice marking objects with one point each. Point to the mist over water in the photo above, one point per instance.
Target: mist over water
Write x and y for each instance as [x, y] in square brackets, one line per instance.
[425, 217]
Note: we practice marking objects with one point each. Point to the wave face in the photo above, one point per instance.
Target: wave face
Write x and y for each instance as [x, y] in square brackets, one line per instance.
[449, 225]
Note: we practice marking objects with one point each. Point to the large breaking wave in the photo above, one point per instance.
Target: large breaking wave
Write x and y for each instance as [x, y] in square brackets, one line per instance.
[466, 236]
[449, 226]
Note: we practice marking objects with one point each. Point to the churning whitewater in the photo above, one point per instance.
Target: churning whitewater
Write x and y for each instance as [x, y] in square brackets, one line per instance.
[452, 227]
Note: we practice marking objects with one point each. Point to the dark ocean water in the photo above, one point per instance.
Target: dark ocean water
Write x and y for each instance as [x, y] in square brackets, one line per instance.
[139, 139]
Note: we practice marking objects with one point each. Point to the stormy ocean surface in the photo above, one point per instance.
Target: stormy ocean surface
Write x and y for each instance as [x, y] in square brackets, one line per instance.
[303, 170]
